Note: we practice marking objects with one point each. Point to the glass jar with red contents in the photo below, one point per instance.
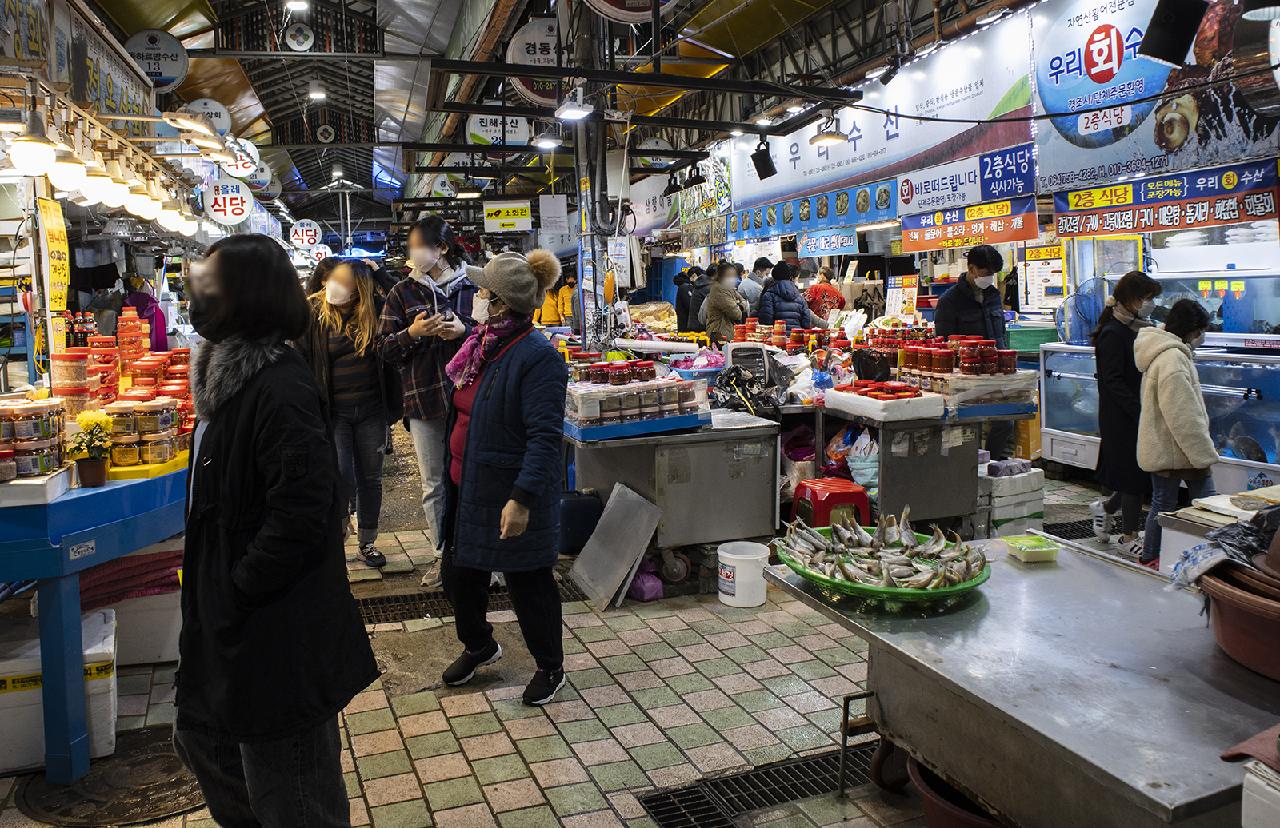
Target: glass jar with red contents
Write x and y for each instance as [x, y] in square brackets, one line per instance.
[619, 373]
[599, 373]
[944, 361]
[645, 370]
[1007, 361]
[909, 359]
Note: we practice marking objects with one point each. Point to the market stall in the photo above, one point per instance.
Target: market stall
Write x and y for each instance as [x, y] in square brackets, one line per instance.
[1115, 718]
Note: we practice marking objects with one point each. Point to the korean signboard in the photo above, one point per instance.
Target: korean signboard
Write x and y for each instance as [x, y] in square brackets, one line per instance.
[246, 158]
[228, 201]
[981, 78]
[507, 216]
[161, 57]
[534, 44]
[988, 177]
[54, 251]
[842, 242]
[1114, 120]
[495, 129]
[630, 11]
[653, 211]
[103, 76]
[996, 222]
[1183, 201]
[866, 204]
[305, 233]
[1044, 283]
[711, 199]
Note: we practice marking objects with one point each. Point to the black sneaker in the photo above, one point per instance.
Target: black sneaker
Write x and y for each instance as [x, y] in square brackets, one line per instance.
[372, 557]
[543, 688]
[464, 667]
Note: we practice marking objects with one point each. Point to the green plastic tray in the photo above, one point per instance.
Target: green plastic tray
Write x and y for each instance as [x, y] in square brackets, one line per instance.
[879, 592]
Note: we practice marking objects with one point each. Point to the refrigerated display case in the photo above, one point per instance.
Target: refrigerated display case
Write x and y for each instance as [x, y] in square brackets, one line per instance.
[1241, 394]
[1243, 306]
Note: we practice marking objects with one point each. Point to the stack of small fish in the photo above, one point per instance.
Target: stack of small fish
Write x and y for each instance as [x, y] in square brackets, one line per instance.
[892, 556]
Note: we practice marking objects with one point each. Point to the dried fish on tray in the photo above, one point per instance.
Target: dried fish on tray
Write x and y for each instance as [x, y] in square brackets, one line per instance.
[893, 562]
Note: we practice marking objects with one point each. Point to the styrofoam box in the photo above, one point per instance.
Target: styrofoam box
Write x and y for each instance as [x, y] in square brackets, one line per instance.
[1032, 481]
[148, 628]
[22, 710]
[1260, 797]
[1014, 506]
[925, 407]
[1016, 526]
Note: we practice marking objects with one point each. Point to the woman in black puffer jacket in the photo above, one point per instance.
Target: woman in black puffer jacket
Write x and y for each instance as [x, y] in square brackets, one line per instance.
[782, 301]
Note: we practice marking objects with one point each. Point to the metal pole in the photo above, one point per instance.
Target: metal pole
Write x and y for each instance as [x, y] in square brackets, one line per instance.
[656, 22]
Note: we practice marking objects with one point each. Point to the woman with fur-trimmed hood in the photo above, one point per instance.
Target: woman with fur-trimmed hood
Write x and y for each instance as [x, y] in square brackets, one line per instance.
[503, 471]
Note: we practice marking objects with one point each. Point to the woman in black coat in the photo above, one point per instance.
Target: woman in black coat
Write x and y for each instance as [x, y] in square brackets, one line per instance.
[782, 301]
[504, 472]
[272, 645]
[1119, 405]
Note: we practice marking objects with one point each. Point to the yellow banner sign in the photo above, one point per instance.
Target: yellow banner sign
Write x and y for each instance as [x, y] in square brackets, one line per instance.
[56, 254]
[508, 216]
[1118, 195]
[1044, 254]
[995, 209]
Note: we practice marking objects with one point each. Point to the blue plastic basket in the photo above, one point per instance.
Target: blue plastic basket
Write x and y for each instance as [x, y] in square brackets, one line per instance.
[708, 374]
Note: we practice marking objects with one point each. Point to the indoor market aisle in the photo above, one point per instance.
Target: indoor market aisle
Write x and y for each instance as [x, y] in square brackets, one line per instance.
[660, 695]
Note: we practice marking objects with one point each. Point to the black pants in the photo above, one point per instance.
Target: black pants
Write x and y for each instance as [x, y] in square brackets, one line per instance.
[294, 782]
[1000, 439]
[1130, 508]
[534, 596]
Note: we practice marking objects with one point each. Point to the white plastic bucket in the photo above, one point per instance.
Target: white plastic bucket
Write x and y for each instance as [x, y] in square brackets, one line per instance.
[742, 573]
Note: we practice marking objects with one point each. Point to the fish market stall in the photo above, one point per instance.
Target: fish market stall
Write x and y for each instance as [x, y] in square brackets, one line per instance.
[1071, 693]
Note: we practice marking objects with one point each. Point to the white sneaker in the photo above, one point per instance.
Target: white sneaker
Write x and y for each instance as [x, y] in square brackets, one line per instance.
[1102, 522]
[431, 577]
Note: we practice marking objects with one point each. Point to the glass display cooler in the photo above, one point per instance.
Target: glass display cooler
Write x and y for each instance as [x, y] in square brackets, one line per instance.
[1241, 394]
[1243, 306]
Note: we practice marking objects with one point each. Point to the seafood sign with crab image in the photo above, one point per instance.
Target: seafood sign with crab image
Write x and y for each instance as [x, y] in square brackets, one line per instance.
[1123, 115]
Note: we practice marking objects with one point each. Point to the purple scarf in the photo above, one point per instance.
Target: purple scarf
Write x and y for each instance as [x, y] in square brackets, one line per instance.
[485, 341]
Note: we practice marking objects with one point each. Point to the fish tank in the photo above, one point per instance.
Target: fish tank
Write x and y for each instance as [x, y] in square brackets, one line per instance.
[1241, 395]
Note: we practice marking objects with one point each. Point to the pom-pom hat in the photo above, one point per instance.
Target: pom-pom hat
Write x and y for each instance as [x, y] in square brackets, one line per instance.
[520, 281]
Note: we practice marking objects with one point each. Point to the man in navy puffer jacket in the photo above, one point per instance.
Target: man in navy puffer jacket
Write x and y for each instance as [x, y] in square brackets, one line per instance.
[782, 301]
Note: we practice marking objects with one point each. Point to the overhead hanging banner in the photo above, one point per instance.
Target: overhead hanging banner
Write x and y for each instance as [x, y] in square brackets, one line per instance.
[487, 130]
[508, 216]
[55, 252]
[305, 233]
[703, 201]
[653, 211]
[218, 115]
[1124, 115]
[1185, 201]
[103, 76]
[997, 222]
[982, 77]
[988, 177]
[534, 44]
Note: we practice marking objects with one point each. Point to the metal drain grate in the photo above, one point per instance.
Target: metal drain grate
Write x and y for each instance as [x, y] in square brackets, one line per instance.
[688, 807]
[787, 781]
[717, 801]
[391, 609]
[1078, 530]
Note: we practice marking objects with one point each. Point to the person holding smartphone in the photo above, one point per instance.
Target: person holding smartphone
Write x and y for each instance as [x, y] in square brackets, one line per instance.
[421, 328]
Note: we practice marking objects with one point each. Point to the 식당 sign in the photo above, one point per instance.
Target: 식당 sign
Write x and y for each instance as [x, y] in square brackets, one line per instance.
[997, 222]
[508, 217]
[228, 201]
[305, 233]
[988, 177]
[1183, 201]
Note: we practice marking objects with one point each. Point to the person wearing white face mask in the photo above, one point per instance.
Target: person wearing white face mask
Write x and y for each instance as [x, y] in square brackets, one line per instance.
[363, 395]
[974, 307]
[423, 322]
[1173, 432]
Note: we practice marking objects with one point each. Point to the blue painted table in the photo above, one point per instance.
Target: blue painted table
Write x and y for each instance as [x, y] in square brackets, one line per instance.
[52, 543]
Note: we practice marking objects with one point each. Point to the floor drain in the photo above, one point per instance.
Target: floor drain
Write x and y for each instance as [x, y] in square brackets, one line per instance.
[1077, 530]
[391, 609]
[143, 781]
[717, 801]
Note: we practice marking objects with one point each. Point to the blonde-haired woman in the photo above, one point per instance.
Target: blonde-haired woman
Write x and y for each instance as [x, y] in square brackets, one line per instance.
[341, 349]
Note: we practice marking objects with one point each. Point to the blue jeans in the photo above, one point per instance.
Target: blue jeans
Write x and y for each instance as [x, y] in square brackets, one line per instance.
[294, 782]
[360, 435]
[1164, 498]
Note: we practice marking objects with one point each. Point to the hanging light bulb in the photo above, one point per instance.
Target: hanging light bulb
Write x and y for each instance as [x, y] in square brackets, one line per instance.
[67, 172]
[96, 181]
[170, 217]
[137, 200]
[32, 153]
[315, 90]
[116, 188]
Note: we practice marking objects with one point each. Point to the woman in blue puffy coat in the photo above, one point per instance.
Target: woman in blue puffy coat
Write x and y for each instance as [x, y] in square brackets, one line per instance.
[782, 301]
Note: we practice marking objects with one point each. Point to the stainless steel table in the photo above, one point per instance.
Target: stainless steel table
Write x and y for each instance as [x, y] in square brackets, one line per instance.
[1075, 694]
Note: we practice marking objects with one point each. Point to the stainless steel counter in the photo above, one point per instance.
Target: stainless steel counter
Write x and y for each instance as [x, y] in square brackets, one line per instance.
[1079, 693]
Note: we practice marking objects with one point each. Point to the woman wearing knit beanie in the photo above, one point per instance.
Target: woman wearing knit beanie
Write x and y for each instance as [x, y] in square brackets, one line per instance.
[504, 471]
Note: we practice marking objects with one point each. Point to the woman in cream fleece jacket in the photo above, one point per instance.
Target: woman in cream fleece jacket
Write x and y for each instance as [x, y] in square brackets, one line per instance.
[1173, 429]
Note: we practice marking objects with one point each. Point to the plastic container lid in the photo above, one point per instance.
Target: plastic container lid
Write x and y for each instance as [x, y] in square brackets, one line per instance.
[121, 407]
[32, 445]
[159, 435]
[69, 356]
[72, 390]
[124, 439]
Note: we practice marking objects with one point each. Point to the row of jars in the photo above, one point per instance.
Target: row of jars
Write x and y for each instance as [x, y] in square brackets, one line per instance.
[615, 373]
[31, 437]
[148, 449]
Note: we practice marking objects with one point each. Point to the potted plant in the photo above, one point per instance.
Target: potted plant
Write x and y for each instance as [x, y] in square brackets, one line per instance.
[91, 446]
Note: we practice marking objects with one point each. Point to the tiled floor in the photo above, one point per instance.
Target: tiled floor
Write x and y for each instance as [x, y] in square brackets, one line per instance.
[659, 695]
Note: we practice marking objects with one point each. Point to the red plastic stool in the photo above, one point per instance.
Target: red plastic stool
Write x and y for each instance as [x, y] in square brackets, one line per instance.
[819, 502]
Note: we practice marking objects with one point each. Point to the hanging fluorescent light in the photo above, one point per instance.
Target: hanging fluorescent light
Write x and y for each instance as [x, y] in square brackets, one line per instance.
[696, 178]
[1171, 31]
[297, 5]
[187, 122]
[32, 153]
[763, 121]
[736, 133]
[1261, 11]
[673, 185]
[763, 161]
[574, 108]
[469, 191]
[337, 172]
[828, 135]
[795, 109]
[547, 141]
[315, 90]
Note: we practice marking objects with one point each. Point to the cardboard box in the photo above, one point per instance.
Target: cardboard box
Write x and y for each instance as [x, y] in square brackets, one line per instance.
[21, 699]
[1028, 438]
